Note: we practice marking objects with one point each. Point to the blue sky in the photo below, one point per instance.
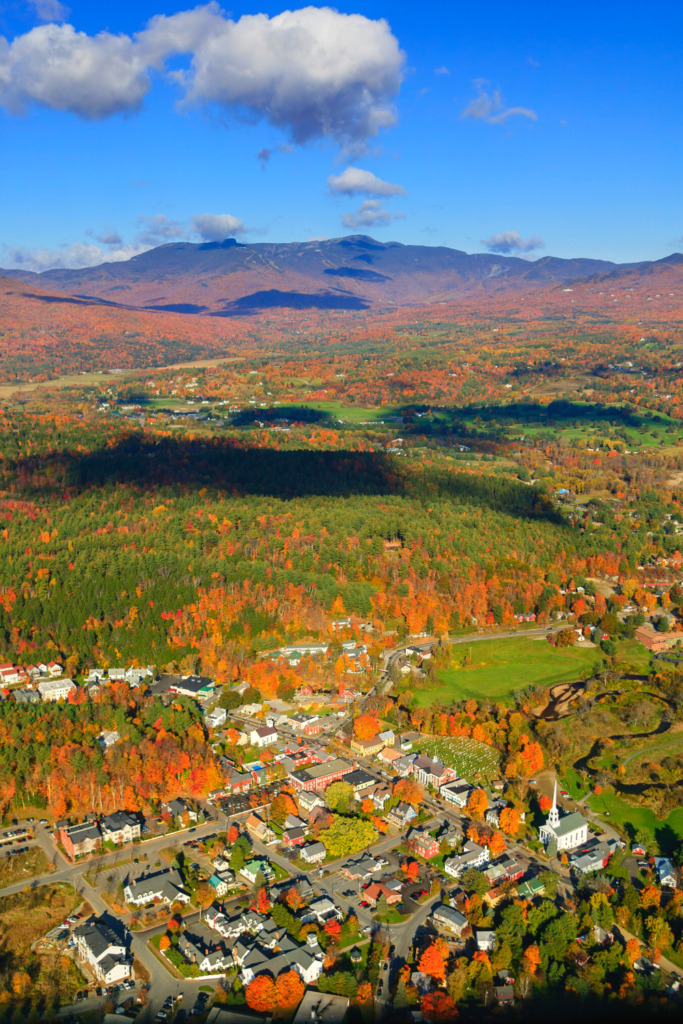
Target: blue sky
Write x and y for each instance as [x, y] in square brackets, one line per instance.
[570, 145]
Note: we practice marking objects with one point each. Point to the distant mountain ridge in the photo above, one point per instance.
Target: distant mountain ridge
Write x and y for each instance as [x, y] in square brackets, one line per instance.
[354, 272]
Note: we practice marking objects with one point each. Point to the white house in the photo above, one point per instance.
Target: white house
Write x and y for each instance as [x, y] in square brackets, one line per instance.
[666, 872]
[109, 737]
[53, 669]
[472, 856]
[56, 689]
[120, 827]
[214, 719]
[457, 792]
[568, 832]
[263, 737]
[314, 853]
[98, 945]
[163, 887]
[486, 939]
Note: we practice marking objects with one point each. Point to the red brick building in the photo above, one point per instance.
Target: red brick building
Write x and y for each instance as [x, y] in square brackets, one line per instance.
[81, 840]
[320, 776]
[422, 843]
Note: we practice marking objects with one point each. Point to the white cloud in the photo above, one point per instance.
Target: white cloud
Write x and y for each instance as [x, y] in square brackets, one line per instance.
[153, 231]
[370, 214]
[50, 10]
[312, 73]
[492, 109]
[441, 71]
[67, 257]
[355, 181]
[512, 242]
[215, 227]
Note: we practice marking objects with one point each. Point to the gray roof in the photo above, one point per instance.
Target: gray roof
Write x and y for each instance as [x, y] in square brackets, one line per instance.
[570, 823]
[118, 820]
[86, 830]
[98, 936]
[451, 915]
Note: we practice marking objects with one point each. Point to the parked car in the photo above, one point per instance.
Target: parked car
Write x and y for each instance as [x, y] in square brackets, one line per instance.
[364, 904]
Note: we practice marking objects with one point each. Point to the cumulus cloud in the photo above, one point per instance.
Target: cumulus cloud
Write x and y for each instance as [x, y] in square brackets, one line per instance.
[215, 227]
[441, 71]
[370, 214]
[491, 108]
[50, 10]
[512, 242]
[152, 231]
[355, 181]
[312, 73]
[67, 257]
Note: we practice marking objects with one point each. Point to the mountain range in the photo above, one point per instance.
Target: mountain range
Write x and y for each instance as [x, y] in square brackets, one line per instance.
[355, 272]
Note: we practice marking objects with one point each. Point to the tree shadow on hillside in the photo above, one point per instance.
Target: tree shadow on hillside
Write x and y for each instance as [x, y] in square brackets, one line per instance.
[222, 465]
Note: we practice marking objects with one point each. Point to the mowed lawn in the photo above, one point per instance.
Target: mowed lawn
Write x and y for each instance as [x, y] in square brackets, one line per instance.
[499, 667]
[622, 813]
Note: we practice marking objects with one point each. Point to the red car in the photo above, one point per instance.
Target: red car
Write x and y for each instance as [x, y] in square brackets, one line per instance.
[363, 903]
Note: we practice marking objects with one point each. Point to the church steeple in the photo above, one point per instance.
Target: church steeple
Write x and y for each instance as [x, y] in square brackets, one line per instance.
[554, 814]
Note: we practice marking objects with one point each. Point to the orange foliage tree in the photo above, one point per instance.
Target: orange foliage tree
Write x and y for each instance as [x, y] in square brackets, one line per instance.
[478, 803]
[438, 1007]
[509, 821]
[261, 994]
[289, 990]
[409, 791]
[365, 727]
[432, 963]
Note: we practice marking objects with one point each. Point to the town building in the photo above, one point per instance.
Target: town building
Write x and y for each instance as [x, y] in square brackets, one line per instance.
[216, 718]
[567, 832]
[81, 840]
[56, 689]
[320, 776]
[360, 781]
[26, 696]
[162, 887]
[98, 945]
[307, 800]
[367, 748]
[179, 808]
[256, 866]
[199, 687]
[429, 772]
[450, 918]
[374, 892]
[457, 792]
[473, 856]
[120, 827]
[401, 815]
[422, 843]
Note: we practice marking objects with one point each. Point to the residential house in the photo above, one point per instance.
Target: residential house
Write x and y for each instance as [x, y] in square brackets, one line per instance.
[26, 696]
[98, 945]
[10, 674]
[120, 827]
[108, 738]
[263, 737]
[307, 724]
[373, 893]
[293, 837]
[387, 737]
[249, 710]
[450, 918]
[314, 853]
[473, 856]
[56, 689]
[390, 755]
[219, 885]
[198, 947]
[361, 866]
[408, 738]
[307, 800]
[253, 867]
[404, 765]
[238, 782]
[493, 813]
[367, 748]
[429, 772]
[320, 776]
[379, 796]
[401, 815]
[321, 911]
[496, 895]
[258, 827]
[422, 843]
[457, 792]
[179, 808]
[512, 868]
[666, 872]
[216, 718]
[162, 887]
[486, 939]
[532, 889]
[306, 960]
[593, 857]
[54, 669]
[291, 821]
[449, 833]
[322, 1008]
[81, 840]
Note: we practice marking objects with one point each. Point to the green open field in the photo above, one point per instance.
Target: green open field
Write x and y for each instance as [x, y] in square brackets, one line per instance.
[500, 667]
[624, 814]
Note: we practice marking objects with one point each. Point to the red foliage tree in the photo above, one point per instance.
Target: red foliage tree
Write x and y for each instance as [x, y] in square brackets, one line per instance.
[438, 1007]
[432, 963]
[289, 990]
[365, 727]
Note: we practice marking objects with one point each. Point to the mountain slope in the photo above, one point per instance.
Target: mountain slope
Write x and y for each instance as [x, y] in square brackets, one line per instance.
[355, 272]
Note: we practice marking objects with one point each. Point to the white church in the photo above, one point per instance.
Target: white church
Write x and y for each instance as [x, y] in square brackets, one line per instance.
[568, 832]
